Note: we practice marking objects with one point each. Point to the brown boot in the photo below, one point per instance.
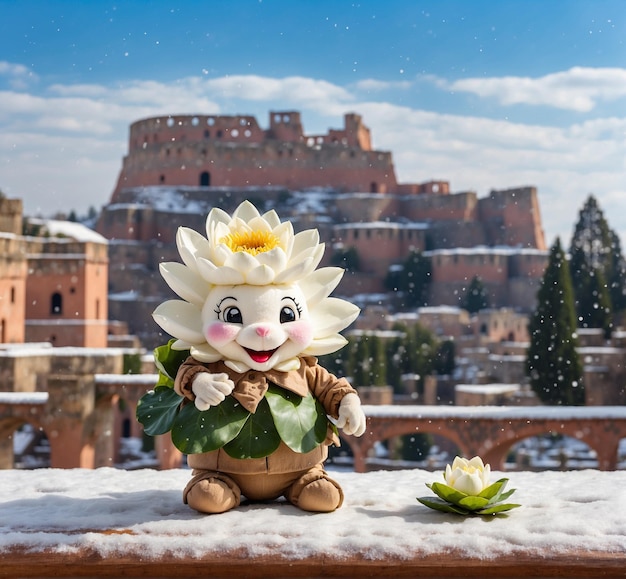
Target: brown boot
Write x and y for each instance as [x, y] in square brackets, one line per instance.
[212, 493]
[315, 491]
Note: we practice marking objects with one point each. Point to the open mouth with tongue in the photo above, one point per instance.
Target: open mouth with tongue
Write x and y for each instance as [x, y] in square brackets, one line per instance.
[260, 356]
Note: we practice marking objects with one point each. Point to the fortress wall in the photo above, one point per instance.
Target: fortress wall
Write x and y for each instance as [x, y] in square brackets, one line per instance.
[511, 217]
[290, 165]
[382, 246]
[459, 207]
[360, 208]
[449, 267]
[450, 234]
[179, 129]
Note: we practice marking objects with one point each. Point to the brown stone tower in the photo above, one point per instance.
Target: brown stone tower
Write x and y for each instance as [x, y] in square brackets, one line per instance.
[234, 151]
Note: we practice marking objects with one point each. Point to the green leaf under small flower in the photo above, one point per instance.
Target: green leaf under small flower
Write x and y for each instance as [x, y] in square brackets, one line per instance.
[488, 502]
[440, 505]
[446, 492]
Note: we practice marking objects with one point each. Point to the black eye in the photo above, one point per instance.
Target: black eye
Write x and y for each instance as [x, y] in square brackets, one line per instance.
[287, 315]
[232, 315]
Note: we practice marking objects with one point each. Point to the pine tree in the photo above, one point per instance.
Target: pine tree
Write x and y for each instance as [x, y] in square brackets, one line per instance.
[412, 279]
[595, 249]
[552, 363]
[476, 297]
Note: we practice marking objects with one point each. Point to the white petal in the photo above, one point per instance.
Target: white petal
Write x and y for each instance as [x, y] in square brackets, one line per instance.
[476, 462]
[246, 211]
[296, 272]
[320, 284]
[241, 261]
[333, 315]
[275, 258]
[191, 245]
[259, 224]
[188, 284]
[284, 232]
[459, 462]
[181, 345]
[272, 218]
[305, 240]
[216, 216]
[327, 345]
[205, 353]
[220, 231]
[220, 254]
[181, 320]
[315, 253]
[219, 275]
[470, 484]
[260, 275]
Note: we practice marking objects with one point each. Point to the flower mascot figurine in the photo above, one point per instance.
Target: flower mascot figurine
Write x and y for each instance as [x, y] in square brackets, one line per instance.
[239, 387]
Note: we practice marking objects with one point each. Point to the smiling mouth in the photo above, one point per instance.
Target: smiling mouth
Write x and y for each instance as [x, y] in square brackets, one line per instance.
[260, 356]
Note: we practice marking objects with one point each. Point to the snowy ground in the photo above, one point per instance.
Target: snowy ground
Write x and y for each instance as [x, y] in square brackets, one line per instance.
[124, 512]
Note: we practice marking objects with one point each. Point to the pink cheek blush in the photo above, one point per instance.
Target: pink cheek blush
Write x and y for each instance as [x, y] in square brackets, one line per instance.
[219, 333]
[300, 332]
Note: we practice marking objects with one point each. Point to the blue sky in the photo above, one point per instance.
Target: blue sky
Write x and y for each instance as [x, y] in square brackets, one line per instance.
[485, 94]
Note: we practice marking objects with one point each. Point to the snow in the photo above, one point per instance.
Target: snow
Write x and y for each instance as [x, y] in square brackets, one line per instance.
[23, 397]
[69, 229]
[496, 412]
[118, 512]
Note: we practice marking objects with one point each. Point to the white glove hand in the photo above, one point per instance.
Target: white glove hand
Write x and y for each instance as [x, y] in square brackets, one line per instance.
[351, 417]
[210, 389]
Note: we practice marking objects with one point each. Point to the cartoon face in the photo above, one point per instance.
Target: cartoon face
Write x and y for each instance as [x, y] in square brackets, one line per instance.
[259, 326]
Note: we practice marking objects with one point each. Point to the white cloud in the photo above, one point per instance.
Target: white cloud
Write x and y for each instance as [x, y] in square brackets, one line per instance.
[577, 89]
[18, 75]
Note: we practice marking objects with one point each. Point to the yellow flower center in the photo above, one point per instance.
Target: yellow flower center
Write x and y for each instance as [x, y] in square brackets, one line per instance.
[252, 242]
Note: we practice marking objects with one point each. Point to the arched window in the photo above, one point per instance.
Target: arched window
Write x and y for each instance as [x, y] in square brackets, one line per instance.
[56, 304]
[205, 179]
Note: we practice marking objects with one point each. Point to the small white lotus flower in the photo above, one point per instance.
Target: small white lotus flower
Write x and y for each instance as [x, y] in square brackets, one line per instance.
[468, 476]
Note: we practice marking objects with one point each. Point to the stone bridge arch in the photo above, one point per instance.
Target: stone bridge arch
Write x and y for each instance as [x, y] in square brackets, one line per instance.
[490, 432]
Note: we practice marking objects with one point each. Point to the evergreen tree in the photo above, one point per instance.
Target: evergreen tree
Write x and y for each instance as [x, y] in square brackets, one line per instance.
[552, 362]
[445, 358]
[362, 362]
[594, 249]
[598, 308]
[476, 297]
[617, 276]
[347, 258]
[378, 357]
[412, 279]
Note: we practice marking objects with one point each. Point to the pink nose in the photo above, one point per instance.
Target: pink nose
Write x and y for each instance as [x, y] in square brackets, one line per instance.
[262, 331]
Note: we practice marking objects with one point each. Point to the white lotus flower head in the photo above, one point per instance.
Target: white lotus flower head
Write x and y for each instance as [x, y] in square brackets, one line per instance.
[250, 250]
[468, 476]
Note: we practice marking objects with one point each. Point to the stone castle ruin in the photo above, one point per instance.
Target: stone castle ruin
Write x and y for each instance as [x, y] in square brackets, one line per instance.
[178, 167]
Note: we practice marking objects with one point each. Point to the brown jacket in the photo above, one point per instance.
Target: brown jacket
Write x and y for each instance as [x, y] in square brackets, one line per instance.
[250, 387]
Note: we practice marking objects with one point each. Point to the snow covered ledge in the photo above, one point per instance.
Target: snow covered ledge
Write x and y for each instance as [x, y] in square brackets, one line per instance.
[108, 522]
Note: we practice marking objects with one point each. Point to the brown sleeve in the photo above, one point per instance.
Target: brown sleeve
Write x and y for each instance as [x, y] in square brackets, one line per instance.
[328, 389]
[186, 373]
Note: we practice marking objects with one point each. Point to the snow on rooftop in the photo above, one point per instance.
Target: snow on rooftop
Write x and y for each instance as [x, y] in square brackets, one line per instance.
[505, 250]
[23, 397]
[487, 388]
[141, 513]
[70, 229]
